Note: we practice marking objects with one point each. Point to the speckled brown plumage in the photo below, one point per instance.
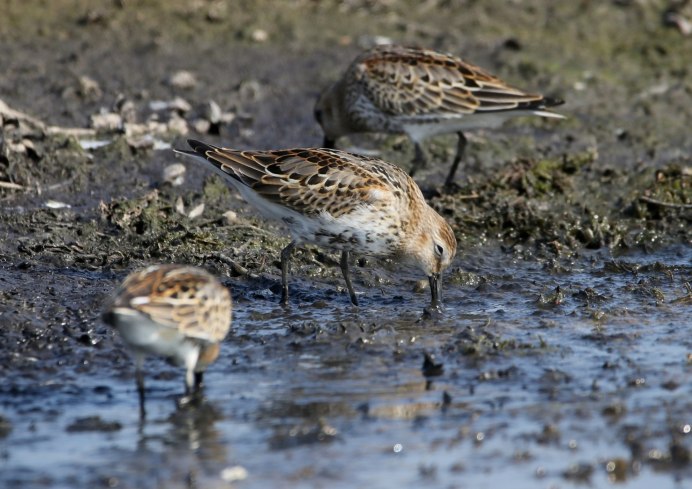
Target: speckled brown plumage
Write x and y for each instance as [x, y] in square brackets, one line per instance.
[338, 200]
[412, 83]
[175, 311]
[186, 299]
[421, 93]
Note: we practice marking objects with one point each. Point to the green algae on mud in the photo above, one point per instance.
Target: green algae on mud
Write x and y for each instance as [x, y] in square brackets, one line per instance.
[557, 206]
[564, 204]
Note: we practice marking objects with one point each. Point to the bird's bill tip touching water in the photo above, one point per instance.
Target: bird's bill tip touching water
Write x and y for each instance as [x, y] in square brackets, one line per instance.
[435, 289]
[435, 309]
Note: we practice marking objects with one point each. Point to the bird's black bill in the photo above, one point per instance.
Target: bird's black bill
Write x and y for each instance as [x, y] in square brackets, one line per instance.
[435, 289]
[435, 302]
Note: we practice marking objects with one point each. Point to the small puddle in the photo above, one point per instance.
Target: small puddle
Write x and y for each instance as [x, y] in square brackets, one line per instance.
[538, 387]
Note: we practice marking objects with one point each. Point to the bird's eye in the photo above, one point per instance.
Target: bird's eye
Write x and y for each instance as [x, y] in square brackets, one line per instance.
[439, 250]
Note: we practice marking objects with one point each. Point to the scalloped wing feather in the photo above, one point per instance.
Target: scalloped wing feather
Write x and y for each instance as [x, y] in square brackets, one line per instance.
[311, 181]
[417, 82]
[181, 298]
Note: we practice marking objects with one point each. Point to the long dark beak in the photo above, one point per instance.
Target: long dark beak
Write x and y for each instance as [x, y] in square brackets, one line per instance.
[434, 310]
[435, 301]
[328, 143]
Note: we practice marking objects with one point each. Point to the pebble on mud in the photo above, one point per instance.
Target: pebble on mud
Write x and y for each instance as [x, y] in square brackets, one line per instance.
[259, 35]
[93, 423]
[212, 112]
[89, 88]
[215, 115]
[431, 368]
[178, 104]
[615, 410]
[213, 118]
[202, 126]
[15, 147]
[250, 90]
[230, 217]
[180, 206]
[140, 142]
[177, 125]
[217, 11]
[5, 427]
[196, 211]
[366, 42]
[421, 286]
[679, 453]
[617, 469]
[679, 15]
[174, 174]
[579, 472]
[27, 147]
[235, 473]
[54, 204]
[309, 432]
[127, 109]
[183, 79]
[549, 434]
[108, 121]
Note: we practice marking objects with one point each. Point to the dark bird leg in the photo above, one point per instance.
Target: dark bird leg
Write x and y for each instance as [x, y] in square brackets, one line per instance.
[199, 381]
[328, 143]
[285, 258]
[139, 379]
[419, 159]
[461, 146]
[347, 277]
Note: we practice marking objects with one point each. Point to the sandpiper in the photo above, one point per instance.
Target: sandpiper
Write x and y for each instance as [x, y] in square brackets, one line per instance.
[174, 311]
[342, 202]
[421, 93]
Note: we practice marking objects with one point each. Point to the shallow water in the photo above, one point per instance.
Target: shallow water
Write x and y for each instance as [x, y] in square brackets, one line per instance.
[540, 394]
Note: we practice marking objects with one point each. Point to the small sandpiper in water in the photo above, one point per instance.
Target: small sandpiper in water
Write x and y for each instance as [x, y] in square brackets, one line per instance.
[421, 93]
[342, 202]
[174, 311]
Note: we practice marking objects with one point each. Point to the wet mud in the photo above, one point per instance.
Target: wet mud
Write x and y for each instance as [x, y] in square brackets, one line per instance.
[563, 358]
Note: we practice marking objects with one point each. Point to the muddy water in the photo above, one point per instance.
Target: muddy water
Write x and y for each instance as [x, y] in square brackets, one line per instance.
[538, 388]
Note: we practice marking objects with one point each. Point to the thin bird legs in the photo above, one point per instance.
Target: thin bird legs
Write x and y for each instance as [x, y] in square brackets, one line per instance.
[286, 257]
[420, 160]
[139, 379]
[193, 385]
[347, 277]
[461, 146]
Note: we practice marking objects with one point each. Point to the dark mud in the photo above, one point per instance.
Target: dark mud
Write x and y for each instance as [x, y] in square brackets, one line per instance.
[564, 357]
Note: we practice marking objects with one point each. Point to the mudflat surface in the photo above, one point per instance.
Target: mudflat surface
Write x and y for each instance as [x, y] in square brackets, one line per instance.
[564, 356]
